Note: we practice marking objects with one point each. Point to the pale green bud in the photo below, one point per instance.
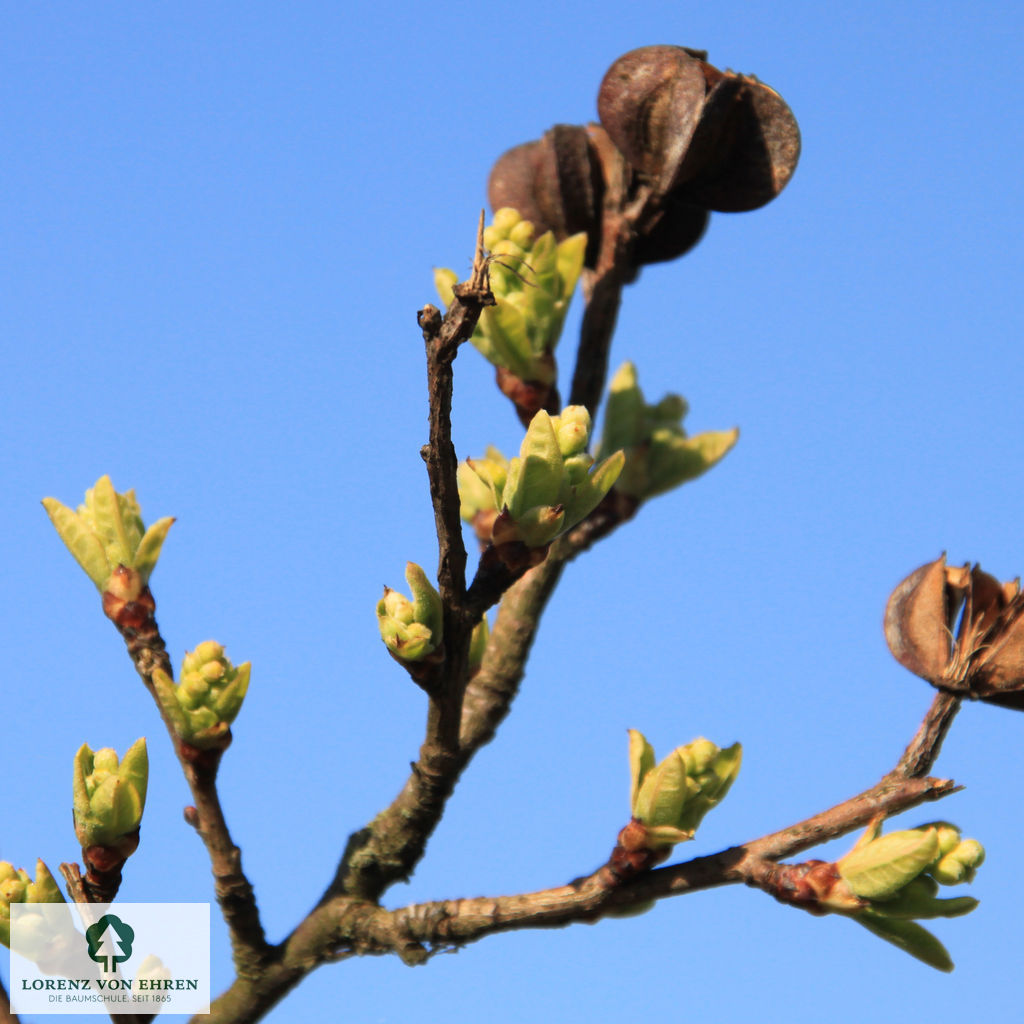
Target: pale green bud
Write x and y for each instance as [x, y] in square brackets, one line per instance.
[548, 488]
[521, 233]
[107, 531]
[880, 868]
[671, 797]
[572, 429]
[713, 770]
[659, 804]
[532, 280]
[109, 795]
[960, 864]
[948, 836]
[17, 887]
[659, 454]
[899, 874]
[207, 699]
[505, 223]
[411, 629]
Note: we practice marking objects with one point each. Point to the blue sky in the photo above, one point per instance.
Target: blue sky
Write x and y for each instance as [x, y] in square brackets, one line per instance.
[221, 222]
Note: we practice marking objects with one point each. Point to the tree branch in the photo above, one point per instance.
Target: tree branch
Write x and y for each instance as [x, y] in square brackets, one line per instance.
[387, 849]
[438, 925]
[443, 338]
[234, 893]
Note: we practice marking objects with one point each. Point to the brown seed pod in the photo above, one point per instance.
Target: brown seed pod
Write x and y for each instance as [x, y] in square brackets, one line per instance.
[555, 183]
[679, 229]
[916, 618]
[568, 182]
[998, 676]
[745, 148]
[962, 630]
[650, 102]
[512, 183]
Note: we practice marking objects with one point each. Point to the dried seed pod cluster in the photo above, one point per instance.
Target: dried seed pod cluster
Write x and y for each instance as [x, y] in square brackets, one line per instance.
[962, 630]
[677, 139]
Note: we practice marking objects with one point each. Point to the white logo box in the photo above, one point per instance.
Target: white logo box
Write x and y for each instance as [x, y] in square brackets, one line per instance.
[104, 958]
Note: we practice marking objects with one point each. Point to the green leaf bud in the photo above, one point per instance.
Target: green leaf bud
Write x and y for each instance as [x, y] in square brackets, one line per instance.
[107, 531]
[17, 887]
[535, 478]
[659, 454]
[899, 874]
[948, 836]
[532, 280]
[671, 798]
[960, 864]
[713, 771]
[880, 868]
[411, 629]
[547, 489]
[109, 795]
[208, 698]
[572, 429]
[482, 483]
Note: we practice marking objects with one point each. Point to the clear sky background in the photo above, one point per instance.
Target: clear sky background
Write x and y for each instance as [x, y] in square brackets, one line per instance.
[219, 223]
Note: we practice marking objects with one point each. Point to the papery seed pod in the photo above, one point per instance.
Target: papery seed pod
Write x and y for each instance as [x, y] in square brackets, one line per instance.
[511, 184]
[556, 183]
[568, 185]
[917, 621]
[999, 677]
[680, 228]
[745, 148]
[985, 658]
[650, 102]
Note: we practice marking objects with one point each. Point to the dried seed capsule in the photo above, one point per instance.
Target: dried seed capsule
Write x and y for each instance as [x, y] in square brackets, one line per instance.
[917, 621]
[977, 652]
[569, 186]
[681, 227]
[650, 103]
[511, 184]
[745, 148]
[555, 183]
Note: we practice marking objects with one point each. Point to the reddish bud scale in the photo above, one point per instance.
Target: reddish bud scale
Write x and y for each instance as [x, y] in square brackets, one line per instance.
[131, 607]
[528, 396]
[802, 885]
[129, 614]
[103, 866]
[632, 856]
[126, 601]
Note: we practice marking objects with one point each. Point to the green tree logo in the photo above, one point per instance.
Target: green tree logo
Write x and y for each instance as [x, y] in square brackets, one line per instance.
[109, 942]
